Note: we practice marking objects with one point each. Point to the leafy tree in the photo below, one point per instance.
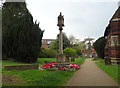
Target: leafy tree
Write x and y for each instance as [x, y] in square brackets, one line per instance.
[66, 42]
[82, 45]
[1, 3]
[99, 46]
[72, 40]
[78, 49]
[0, 33]
[69, 52]
[47, 53]
[21, 36]
[88, 43]
[76, 44]
[55, 44]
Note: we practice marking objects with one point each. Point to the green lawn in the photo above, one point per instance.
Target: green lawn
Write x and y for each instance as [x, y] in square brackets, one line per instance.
[11, 62]
[79, 61]
[111, 70]
[42, 60]
[39, 77]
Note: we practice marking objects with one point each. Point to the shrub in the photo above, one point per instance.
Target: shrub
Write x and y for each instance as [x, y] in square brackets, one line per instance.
[21, 37]
[99, 46]
[69, 52]
[47, 53]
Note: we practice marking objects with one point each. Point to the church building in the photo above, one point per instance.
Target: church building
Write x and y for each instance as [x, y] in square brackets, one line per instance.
[112, 36]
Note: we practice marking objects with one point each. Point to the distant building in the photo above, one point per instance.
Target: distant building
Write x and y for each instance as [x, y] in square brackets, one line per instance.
[89, 53]
[46, 43]
[112, 35]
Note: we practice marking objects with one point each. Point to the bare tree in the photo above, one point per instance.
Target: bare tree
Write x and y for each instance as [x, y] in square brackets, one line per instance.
[1, 4]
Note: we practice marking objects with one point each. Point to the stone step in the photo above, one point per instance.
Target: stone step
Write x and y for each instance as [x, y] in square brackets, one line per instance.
[61, 63]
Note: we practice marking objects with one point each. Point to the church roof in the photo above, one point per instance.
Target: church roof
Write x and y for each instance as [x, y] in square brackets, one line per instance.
[107, 30]
[115, 17]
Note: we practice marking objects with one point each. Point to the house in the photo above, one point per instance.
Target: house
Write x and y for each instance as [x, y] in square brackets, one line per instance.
[112, 36]
[46, 43]
[89, 53]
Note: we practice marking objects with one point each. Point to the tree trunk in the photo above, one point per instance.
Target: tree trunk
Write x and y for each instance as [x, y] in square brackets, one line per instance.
[72, 58]
[67, 59]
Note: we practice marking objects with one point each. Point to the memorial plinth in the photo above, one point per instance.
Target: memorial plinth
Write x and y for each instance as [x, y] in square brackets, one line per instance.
[60, 56]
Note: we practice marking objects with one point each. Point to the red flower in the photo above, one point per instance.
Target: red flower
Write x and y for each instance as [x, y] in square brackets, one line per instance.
[57, 65]
[50, 65]
[53, 62]
[46, 66]
[64, 65]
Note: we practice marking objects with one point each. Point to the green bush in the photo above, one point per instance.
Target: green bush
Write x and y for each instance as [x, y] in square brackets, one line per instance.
[99, 46]
[69, 52]
[47, 53]
[78, 49]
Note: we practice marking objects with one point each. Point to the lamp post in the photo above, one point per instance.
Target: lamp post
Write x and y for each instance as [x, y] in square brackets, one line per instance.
[60, 56]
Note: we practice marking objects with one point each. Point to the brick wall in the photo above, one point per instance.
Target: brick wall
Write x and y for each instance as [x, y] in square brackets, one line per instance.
[46, 42]
[112, 34]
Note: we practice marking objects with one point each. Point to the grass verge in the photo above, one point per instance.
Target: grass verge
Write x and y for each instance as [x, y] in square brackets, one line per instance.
[111, 70]
[39, 78]
[79, 61]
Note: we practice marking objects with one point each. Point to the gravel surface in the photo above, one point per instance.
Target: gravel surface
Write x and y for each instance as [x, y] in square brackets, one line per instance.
[90, 75]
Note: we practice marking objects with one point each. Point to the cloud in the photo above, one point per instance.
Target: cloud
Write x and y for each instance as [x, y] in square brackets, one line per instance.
[82, 19]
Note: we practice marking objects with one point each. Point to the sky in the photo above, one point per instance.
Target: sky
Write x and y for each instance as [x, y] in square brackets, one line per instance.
[82, 19]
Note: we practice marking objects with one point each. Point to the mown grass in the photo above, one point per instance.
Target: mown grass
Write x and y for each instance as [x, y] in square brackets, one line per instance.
[11, 62]
[99, 59]
[40, 77]
[79, 61]
[42, 60]
[111, 70]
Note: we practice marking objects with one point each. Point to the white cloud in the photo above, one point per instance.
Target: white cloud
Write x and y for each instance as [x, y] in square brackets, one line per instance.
[82, 19]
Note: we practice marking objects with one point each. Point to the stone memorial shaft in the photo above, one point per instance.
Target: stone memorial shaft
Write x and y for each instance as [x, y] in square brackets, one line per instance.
[60, 56]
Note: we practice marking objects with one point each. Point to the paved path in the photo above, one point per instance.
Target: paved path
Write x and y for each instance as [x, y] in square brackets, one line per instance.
[90, 75]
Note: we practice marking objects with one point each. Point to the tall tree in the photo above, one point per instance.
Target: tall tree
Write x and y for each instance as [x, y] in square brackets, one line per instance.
[99, 45]
[54, 44]
[78, 49]
[72, 39]
[76, 44]
[66, 42]
[21, 36]
[0, 33]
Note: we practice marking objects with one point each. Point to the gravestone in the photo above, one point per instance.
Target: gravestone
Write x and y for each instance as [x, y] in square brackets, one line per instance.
[21, 67]
[107, 61]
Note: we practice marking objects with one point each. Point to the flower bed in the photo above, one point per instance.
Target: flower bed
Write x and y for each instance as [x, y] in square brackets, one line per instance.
[51, 66]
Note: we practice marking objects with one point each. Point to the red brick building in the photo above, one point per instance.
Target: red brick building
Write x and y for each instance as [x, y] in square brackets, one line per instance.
[112, 35]
[46, 42]
[89, 53]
